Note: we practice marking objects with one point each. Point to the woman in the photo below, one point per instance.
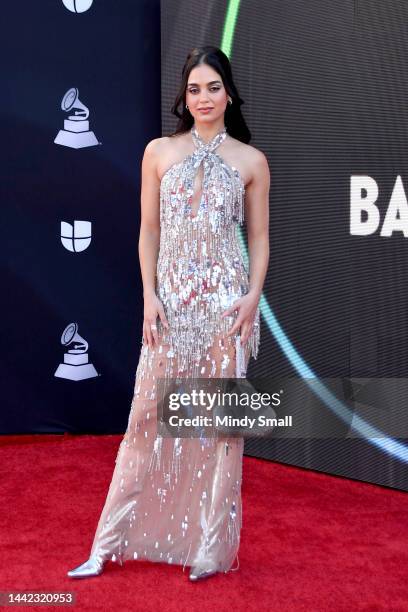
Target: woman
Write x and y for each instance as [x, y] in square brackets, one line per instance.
[178, 500]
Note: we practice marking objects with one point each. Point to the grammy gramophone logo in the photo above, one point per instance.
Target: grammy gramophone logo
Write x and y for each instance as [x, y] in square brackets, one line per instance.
[76, 237]
[76, 133]
[76, 365]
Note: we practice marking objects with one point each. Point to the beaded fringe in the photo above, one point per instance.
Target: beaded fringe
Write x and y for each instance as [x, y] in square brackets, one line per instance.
[200, 269]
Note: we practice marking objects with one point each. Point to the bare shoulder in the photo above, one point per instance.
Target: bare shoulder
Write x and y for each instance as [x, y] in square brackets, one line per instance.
[167, 150]
[251, 161]
[255, 156]
[258, 165]
[156, 145]
[155, 152]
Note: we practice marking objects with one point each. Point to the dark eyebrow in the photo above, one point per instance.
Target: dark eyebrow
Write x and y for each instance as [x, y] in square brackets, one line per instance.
[210, 83]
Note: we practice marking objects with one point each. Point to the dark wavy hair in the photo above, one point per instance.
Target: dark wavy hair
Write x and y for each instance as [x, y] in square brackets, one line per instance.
[233, 118]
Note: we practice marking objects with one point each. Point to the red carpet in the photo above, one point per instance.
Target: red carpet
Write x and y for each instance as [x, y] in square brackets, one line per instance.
[310, 542]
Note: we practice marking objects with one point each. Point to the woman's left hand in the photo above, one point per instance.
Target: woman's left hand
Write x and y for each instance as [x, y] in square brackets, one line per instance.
[246, 306]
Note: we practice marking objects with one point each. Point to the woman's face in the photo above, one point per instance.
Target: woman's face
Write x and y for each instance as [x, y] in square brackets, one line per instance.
[205, 90]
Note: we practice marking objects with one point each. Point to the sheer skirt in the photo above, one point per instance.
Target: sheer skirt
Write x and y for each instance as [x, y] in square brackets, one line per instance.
[174, 500]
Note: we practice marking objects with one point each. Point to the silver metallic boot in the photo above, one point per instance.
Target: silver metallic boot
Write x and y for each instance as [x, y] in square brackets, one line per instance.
[203, 570]
[92, 567]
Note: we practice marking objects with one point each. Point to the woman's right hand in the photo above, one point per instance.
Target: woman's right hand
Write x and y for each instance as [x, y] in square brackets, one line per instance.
[153, 308]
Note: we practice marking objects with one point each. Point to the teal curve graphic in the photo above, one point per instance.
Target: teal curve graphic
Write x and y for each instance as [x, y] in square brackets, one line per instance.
[373, 435]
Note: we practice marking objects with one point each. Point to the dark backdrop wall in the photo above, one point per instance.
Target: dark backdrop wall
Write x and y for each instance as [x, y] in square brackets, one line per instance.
[324, 84]
[110, 52]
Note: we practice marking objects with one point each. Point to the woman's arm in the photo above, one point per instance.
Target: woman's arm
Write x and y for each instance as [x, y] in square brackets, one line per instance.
[257, 221]
[149, 240]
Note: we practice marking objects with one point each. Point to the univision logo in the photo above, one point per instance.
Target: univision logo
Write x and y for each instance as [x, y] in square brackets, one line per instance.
[77, 6]
[77, 237]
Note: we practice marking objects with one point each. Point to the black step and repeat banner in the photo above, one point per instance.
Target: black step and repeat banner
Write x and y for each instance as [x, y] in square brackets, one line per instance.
[324, 85]
[80, 99]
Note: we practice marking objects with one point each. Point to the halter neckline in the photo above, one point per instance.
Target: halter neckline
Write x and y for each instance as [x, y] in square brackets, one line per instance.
[212, 144]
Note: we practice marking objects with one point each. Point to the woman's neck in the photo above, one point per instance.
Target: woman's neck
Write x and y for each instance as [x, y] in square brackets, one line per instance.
[208, 131]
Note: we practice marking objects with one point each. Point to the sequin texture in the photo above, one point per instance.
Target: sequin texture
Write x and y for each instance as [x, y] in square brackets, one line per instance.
[178, 500]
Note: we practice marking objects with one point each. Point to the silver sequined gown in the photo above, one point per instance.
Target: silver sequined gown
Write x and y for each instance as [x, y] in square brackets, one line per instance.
[179, 500]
